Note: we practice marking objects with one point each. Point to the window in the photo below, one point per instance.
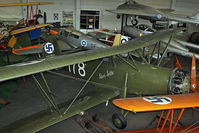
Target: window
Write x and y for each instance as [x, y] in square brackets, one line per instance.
[89, 19]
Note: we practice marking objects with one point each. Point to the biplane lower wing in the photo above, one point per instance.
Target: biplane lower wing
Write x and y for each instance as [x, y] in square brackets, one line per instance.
[28, 68]
[28, 50]
[154, 103]
[44, 119]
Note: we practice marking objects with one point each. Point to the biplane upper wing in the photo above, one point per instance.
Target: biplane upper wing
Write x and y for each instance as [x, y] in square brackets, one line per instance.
[154, 103]
[26, 4]
[28, 29]
[28, 68]
[156, 13]
[44, 119]
[130, 12]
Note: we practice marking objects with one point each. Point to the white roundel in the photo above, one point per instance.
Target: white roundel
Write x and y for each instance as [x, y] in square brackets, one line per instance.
[159, 16]
[84, 43]
[49, 48]
[161, 100]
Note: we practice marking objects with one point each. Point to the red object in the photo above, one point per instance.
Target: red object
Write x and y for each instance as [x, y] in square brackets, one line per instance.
[193, 75]
[4, 47]
[177, 63]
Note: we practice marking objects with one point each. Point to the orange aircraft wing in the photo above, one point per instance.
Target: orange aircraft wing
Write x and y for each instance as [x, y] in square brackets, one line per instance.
[26, 4]
[28, 29]
[153, 103]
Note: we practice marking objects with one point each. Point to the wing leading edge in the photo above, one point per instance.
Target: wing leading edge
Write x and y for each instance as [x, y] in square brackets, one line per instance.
[28, 68]
[44, 119]
[154, 103]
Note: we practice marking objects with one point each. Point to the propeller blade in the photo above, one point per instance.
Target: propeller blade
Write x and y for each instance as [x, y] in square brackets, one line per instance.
[193, 75]
[177, 63]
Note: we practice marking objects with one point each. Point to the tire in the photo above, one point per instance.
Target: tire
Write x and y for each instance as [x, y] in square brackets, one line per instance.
[134, 22]
[119, 121]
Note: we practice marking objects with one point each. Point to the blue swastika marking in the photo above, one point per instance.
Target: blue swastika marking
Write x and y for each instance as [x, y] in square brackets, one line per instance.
[49, 48]
[158, 100]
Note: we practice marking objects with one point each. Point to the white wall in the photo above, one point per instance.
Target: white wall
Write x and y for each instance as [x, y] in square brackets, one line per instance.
[188, 7]
[10, 13]
[57, 7]
[107, 20]
[156, 3]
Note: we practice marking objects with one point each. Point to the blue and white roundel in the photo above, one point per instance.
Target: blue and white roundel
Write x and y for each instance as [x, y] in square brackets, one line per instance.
[49, 48]
[84, 43]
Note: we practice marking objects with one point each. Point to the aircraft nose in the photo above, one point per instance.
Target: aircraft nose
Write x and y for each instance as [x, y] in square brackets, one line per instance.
[179, 82]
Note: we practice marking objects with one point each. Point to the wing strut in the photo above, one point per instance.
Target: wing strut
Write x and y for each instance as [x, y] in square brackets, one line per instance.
[83, 87]
[164, 52]
[45, 94]
[169, 113]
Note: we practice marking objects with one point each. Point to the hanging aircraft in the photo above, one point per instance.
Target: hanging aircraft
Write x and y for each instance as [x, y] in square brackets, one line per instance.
[112, 76]
[136, 10]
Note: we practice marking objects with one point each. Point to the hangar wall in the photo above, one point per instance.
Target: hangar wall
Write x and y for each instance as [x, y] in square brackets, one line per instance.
[188, 7]
[107, 20]
[10, 13]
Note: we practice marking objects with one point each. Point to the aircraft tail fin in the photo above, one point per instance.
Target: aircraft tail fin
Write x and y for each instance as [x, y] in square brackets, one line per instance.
[117, 40]
[177, 63]
[196, 15]
[193, 75]
[12, 41]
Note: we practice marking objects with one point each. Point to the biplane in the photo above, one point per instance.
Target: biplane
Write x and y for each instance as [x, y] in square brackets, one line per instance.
[137, 10]
[112, 76]
[9, 38]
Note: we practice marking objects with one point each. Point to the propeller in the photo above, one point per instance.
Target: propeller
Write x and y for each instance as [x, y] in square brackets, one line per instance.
[21, 22]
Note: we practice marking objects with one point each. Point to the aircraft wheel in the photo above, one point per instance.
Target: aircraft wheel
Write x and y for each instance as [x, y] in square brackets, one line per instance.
[134, 22]
[119, 121]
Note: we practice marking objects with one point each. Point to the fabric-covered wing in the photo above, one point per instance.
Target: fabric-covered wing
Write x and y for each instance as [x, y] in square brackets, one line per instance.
[130, 12]
[47, 118]
[28, 68]
[28, 29]
[153, 103]
[181, 18]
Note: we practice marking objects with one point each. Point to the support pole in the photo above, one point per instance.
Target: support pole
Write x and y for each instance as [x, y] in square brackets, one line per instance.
[122, 24]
